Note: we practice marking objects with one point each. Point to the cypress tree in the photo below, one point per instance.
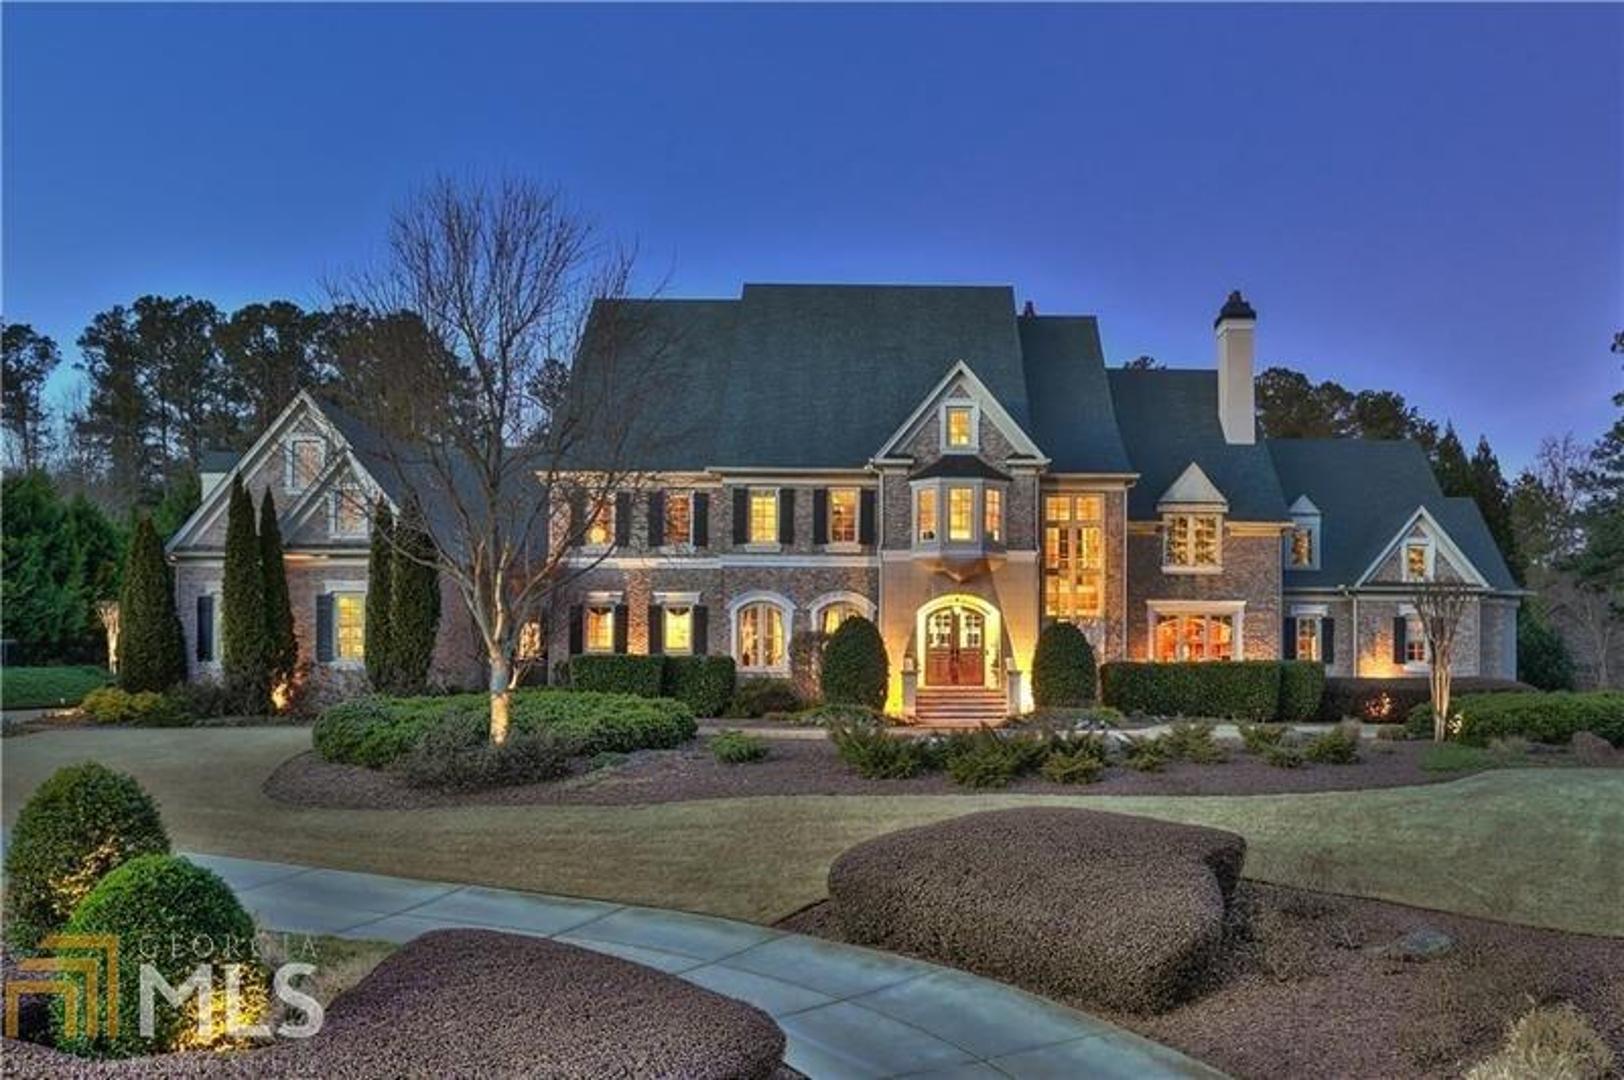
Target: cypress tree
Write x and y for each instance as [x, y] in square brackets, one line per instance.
[151, 645]
[282, 648]
[1451, 466]
[380, 592]
[244, 658]
[414, 603]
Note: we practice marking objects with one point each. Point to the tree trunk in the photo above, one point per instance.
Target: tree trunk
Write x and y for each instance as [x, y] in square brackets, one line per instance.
[1440, 701]
[501, 697]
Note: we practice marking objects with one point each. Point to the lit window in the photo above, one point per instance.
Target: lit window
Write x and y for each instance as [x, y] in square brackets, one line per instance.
[960, 426]
[1302, 545]
[305, 459]
[832, 616]
[600, 530]
[842, 515]
[961, 503]
[1415, 640]
[677, 630]
[349, 513]
[764, 516]
[1073, 556]
[1417, 562]
[1194, 637]
[530, 640]
[679, 517]
[761, 636]
[1308, 637]
[349, 625]
[1190, 540]
[994, 524]
[925, 513]
[600, 629]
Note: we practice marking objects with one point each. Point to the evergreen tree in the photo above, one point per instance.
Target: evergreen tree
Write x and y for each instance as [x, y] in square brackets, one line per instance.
[1450, 466]
[1493, 497]
[27, 359]
[282, 648]
[151, 645]
[244, 658]
[59, 560]
[380, 596]
[414, 604]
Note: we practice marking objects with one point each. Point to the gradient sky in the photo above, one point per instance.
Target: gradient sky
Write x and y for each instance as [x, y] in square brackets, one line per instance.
[1424, 199]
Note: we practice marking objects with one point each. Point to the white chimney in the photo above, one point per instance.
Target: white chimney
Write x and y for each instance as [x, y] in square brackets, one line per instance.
[1236, 326]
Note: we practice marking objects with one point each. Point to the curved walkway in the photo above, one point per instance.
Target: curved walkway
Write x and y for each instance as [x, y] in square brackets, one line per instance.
[848, 1012]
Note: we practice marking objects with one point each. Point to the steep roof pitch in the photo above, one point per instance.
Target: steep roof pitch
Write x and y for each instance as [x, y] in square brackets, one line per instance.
[1073, 416]
[1168, 420]
[1366, 491]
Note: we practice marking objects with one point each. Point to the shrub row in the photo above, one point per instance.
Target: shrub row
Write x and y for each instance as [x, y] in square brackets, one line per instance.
[1389, 701]
[147, 708]
[1543, 717]
[1284, 690]
[704, 683]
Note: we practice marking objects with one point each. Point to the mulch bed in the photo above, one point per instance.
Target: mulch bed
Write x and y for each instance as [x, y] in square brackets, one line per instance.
[799, 766]
[1305, 990]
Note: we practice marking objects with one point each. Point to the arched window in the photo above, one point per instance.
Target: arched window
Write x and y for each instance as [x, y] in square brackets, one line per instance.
[759, 636]
[830, 618]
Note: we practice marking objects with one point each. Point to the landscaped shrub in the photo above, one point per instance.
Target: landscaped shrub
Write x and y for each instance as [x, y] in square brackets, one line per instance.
[1543, 717]
[737, 748]
[1283, 756]
[203, 699]
[755, 698]
[1302, 685]
[876, 754]
[1552, 1041]
[457, 755]
[855, 668]
[110, 705]
[1389, 701]
[1243, 690]
[618, 674]
[1193, 742]
[704, 683]
[1257, 738]
[81, 822]
[985, 758]
[173, 915]
[1339, 746]
[1063, 672]
[1072, 767]
[1145, 754]
[151, 644]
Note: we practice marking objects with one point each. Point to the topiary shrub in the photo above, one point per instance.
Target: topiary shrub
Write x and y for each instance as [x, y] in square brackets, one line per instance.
[755, 698]
[1302, 684]
[618, 674]
[855, 668]
[1241, 690]
[704, 683]
[1063, 674]
[110, 705]
[1339, 746]
[173, 915]
[82, 822]
[736, 748]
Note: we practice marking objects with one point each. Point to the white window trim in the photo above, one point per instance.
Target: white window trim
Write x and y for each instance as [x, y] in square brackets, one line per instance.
[610, 600]
[681, 547]
[290, 456]
[1236, 609]
[1297, 620]
[607, 511]
[674, 600]
[978, 512]
[1409, 613]
[214, 589]
[786, 609]
[1071, 523]
[830, 599]
[751, 544]
[843, 546]
[1431, 549]
[974, 445]
[1181, 568]
[347, 588]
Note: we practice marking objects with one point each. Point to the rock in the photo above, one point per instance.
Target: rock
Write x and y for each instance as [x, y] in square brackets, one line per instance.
[1422, 943]
[1591, 749]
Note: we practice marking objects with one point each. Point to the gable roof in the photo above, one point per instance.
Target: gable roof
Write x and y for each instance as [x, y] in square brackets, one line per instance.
[1192, 488]
[1073, 416]
[963, 377]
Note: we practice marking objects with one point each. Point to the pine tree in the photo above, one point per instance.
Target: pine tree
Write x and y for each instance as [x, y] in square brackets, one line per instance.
[151, 645]
[414, 604]
[244, 658]
[1450, 466]
[1493, 497]
[380, 595]
[282, 647]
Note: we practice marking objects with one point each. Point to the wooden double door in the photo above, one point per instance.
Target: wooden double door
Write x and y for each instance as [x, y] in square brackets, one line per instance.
[955, 647]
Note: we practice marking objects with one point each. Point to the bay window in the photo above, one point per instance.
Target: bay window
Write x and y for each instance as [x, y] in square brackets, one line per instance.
[925, 513]
[1073, 556]
[993, 526]
[961, 503]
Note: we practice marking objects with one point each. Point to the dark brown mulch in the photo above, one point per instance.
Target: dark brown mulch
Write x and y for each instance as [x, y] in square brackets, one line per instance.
[481, 1003]
[1305, 990]
[811, 767]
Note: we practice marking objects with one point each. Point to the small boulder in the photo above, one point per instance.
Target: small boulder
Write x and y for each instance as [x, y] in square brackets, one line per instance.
[1422, 943]
[1591, 749]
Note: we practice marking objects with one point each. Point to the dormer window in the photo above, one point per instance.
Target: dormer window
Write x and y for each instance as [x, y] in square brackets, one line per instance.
[1418, 560]
[1302, 547]
[959, 427]
[1190, 542]
[1303, 541]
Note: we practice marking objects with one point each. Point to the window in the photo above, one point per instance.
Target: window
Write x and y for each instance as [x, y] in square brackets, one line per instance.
[599, 635]
[1415, 640]
[1073, 556]
[960, 427]
[677, 629]
[1194, 636]
[993, 527]
[305, 459]
[760, 636]
[349, 513]
[925, 513]
[600, 527]
[830, 618]
[206, 628]
[349, 626]
[1308, 637]
[842, 515]
[1302, 546]
[1418, 561]
[1190, 541]
[679, 517]
[961, 504]
[530, 641]
[763, 516]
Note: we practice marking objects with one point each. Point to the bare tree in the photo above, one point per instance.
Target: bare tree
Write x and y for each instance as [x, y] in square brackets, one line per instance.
[505, 374]
[1440, 606]
[1591, 616]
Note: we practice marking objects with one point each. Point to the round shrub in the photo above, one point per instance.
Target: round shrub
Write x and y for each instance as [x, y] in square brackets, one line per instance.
[737, 748]
[173, 915]
[1062, 668]
[855, 668]
[82, 823]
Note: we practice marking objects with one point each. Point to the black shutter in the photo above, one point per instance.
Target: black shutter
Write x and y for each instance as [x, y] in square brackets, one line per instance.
[205, 628]
[620, 627]
[577, 629]
[865, 516]
[1328, 641]
[577, 525]
[701, 630]
[656, 630]
[623, 519]
[820, 515]
[1288, 639]
[786, 516]
[1401, 630]
[324, 627]
[701, 524]
[741, 515]
[656, 519]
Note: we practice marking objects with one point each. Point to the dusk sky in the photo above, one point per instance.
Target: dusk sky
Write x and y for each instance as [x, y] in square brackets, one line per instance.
[1427, 200]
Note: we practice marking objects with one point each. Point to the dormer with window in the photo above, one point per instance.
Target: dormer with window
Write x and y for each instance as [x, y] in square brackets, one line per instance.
[961, 426]
[1418, 559]
[304, 457]
[1193, 511]
[1303, 541]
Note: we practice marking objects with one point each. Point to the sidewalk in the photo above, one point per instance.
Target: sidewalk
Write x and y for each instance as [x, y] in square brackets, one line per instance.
[848, 1011]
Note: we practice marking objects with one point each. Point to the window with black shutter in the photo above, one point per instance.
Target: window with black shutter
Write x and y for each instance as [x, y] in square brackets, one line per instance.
[205, 628]
[620, 628]
[1401, 628]
[656, 629]
[865, 516]
[786, 516]
[1288, 639]
[577, 629]
[741, 516]
[623, 519]
[324, 628]
[701, 519]
[701, 630]
[1328, 641]
[820, 515]
[656, 519]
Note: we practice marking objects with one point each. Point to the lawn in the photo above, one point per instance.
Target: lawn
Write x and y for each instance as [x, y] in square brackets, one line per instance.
[48, 687]
[1539, 846]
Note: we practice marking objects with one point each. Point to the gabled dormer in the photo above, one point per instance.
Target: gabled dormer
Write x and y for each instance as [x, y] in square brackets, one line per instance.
[960, 416]
[1193, 512]
[1302, 547]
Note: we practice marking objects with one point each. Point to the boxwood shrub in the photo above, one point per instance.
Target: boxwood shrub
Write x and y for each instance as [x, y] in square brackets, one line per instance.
[147, 708]
[1063, 674]
[855, 668]
[1543, 717]
[1241, 690]
[618, 674]
[704, 683]
[1389, 701]
[1302, 685]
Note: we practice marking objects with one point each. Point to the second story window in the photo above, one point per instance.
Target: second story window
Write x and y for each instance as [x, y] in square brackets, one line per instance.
[1073, 556]
[993, 526]
[1302, 546]
[925, 513]
[600, 530]
[679, 517]
[1190, 541]
[1417, 561]
[961, 513]
[842, 515]
[959, 425]
[305, 459]
[763, 516]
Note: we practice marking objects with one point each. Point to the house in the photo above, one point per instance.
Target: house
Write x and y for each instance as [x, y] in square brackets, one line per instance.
[958, 472]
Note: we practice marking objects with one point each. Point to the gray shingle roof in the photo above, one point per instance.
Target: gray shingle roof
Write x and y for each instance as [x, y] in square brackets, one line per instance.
[958, 466]
[217, 461]
[1073, 417]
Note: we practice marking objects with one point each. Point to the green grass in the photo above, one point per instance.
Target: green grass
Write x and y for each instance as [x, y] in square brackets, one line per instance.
[1457, 757]
[48, 687]
[1537, 846]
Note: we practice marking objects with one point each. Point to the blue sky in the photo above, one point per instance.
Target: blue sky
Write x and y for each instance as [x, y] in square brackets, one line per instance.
[1424, 199]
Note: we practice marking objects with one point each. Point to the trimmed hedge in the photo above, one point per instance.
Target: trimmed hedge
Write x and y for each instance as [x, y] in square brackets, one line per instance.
[1063, 673]
[458, 755]
[110, 705]
[1554, 717]
[1389, 701]
[374, 731]
[1302, 685]
[618, 674]
[704, 683]
[855, 668]
[1241, 690]
[755, 698]
[82, 822]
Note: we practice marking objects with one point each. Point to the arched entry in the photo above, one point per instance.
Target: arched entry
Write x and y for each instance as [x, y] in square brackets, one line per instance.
[959, 639]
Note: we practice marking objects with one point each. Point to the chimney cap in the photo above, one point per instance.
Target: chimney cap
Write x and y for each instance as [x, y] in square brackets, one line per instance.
[1235, 307]
[1029, 310]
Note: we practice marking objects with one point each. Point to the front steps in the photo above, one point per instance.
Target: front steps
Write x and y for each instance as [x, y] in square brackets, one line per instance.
[959, 707]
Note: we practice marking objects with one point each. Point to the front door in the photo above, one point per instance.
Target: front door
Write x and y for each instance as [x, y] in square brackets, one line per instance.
[955, 640]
